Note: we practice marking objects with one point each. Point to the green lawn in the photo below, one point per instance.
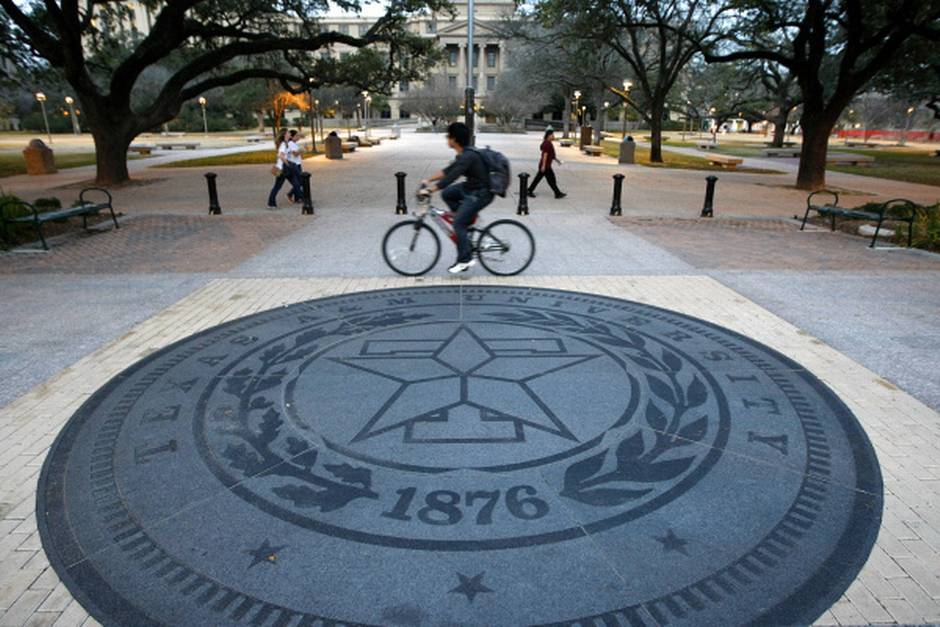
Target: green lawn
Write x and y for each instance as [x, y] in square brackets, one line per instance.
[910, 166]
[236, 158]
[13, 164]
[679, 161]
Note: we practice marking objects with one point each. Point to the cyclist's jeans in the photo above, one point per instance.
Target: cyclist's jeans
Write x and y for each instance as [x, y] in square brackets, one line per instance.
[467, 205]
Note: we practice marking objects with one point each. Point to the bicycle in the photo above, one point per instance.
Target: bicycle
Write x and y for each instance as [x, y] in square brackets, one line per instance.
[412, 248]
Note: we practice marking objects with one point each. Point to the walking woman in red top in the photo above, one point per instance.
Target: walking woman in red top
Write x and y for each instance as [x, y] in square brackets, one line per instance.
[545, 166]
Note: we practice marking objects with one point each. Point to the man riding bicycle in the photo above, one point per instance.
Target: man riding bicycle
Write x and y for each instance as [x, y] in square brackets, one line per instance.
[465, 199]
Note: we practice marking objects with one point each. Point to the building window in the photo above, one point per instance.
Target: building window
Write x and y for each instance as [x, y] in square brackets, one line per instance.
[476, 82]
[491, 82]
[490, 58]
[432, 27]
[403, 86]
[452, 82]
[344, 29]
[452, 53]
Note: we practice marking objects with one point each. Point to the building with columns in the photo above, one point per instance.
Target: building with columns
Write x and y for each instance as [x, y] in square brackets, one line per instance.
[489, 46]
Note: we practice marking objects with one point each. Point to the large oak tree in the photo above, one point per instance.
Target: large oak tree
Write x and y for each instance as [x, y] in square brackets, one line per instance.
[201, 45]
[833, 49]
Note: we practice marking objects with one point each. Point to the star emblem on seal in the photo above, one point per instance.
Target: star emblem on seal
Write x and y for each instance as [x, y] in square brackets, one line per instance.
[465, 388]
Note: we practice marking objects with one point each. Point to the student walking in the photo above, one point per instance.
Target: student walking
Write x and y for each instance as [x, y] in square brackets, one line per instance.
[545, 166]
[288, 170]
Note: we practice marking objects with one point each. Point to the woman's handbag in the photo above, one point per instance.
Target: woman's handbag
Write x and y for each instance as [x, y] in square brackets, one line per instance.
[276, 171]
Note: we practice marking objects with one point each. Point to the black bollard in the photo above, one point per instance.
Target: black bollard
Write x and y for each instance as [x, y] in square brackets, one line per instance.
[707, 211]
[523, 208]
[307, 209]
[615, 208]
[401, 207]
[214, 208]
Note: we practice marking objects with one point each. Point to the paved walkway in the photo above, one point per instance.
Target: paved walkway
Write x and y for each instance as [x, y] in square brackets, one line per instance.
[879, 322]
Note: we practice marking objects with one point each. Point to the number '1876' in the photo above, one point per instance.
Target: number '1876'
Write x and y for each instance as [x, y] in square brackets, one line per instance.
[444, 507]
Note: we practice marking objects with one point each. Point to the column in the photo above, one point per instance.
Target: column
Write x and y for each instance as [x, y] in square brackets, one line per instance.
[462, 66]
[500, 67]
[481, 68]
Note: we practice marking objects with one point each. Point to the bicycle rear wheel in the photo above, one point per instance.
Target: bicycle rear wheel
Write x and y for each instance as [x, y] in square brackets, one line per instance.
[411, 248]
[506, 247]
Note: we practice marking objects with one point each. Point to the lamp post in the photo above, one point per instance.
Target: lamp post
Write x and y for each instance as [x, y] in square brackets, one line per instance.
[76, 129]
[577, 107]
[627, 84]
[711, 112]
[41, 97]
[907, 126]
[468, 91]
[365, 110]
[368, 113]
[313, 122]
[604, 118]
[205, 123]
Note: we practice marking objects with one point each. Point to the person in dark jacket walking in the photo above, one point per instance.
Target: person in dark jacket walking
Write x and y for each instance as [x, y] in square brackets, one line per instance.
[545, 166]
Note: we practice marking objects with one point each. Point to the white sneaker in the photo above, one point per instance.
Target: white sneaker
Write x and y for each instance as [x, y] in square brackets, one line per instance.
[459, 267]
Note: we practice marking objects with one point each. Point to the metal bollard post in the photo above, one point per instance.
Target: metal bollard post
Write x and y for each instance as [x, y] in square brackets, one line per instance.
[214, 208]
[615, 208]
[523, 208]
[707, 210]
[401, 207]
[307, 209]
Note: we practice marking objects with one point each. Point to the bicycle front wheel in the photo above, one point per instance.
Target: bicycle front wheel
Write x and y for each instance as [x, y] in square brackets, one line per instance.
[411, 248]
[506, 247]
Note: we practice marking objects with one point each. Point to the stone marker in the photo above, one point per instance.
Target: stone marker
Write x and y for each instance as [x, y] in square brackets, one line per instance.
[39, 158]
[627, 150]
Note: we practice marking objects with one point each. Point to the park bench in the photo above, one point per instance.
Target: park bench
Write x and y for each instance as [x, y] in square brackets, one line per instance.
[725, 161]
[349, 146]
[781, 152]
[886, 212]
[847, 158]
[565, 143]
[141, 149]
[172, 145]
[83, 209]
[785, 144]
[936, 153]
[255, 139]
[594, 151]
[861, 144]
[707, 145]
[172, 133]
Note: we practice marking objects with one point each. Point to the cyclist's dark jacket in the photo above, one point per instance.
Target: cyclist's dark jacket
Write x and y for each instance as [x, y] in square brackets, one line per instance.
[470, 164]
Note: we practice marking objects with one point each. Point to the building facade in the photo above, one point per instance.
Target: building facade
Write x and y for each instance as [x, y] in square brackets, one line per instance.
[484, 66]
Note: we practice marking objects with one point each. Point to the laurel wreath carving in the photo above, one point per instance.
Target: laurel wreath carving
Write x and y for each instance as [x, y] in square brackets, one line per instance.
[260, 452]
[625, 472]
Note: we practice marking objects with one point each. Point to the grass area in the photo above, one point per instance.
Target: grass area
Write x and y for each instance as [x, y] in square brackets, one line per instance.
[249, 157]
[13, 164]
[679, 161]
[909, 166]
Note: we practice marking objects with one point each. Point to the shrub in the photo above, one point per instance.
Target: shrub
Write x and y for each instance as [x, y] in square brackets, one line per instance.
[926, 228]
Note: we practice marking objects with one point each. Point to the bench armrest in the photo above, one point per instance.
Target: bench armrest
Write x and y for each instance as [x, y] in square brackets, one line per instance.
[835, 195]
[17, 203]
[898, 202]
[81, 195]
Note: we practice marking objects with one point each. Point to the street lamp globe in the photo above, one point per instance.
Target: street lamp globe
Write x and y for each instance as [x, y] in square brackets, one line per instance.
[69, 100]
[41, 97]
[577, 94]
[627, 84]
[202, 101]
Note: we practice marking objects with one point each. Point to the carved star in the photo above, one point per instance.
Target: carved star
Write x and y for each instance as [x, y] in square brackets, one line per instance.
[671, 542]
[264, 553]
[462, 374]
[470, 587]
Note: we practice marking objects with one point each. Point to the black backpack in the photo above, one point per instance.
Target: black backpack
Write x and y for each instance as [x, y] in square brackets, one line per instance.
[497, 165]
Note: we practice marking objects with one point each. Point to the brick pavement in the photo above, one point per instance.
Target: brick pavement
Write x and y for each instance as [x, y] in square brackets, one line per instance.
[899, 583]
[160, 243]
[779, 245]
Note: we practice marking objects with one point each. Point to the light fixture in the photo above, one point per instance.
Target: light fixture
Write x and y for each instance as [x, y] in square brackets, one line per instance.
[41, 97]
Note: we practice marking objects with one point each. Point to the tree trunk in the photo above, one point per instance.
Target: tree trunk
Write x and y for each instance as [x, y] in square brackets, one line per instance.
[259, 116]
[812, 173]
[780, 129]
[656, 138]
[111, 155]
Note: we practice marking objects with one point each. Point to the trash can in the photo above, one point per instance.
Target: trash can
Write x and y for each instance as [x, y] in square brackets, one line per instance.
[627, 150]
[587, 135]
[39, 158]
[334, 146]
